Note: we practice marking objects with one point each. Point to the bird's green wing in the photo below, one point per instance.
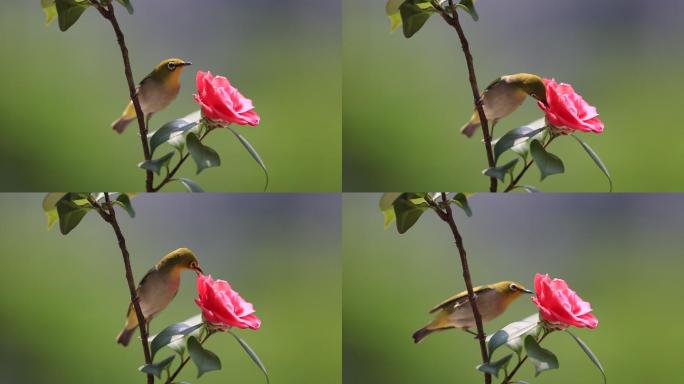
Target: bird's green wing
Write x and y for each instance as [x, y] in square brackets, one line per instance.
[458, 299]
[140, 284]
[493, 83]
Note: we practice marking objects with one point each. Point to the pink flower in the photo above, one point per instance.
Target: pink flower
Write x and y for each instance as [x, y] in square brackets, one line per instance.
[560, 305]
[568, 111]
[223, 307]
[222, 103]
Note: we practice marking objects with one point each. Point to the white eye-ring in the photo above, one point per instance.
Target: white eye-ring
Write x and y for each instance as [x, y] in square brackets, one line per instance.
[171, 66]
[513, 287]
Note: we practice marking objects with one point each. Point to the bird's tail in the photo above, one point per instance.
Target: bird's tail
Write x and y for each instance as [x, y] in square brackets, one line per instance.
[127, 116]
[120, 125]
[473, 125]
[470, 128]
[125, 335]
[420, 334]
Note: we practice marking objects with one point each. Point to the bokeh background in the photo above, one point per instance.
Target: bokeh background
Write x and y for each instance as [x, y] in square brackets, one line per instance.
[63, 298]
[62, 90]
[405, 100]
[620, 252]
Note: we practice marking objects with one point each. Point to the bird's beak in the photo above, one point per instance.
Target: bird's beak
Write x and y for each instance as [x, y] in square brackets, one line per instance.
[527, 291]
[198, 270]
[186, 63]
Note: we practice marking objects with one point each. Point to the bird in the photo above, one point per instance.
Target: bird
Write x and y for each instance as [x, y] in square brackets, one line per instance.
[456, 312]
[157, 288]
[155, 92]
[503, 96]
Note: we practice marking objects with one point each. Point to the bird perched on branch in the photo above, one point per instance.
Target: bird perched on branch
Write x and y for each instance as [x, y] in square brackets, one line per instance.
[155, 92]
[503, 96]
[158, 288]
[456, 312]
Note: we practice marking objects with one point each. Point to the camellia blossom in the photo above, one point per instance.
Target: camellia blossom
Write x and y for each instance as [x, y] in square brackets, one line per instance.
[561, 306]
[222, 306]
[568, 111]
[223, 104]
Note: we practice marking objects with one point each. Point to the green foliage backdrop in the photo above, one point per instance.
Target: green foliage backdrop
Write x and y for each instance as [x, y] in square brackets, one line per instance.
[64, 298]
[622, 253]
[62, 90]
[405, 99]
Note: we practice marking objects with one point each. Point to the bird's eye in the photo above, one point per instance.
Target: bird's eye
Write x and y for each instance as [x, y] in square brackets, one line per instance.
[171, 66]
[513, 287]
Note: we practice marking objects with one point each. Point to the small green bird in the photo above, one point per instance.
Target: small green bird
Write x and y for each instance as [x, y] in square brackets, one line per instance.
[456, 312]
[503, 96]
[158, 288]
[155, 92]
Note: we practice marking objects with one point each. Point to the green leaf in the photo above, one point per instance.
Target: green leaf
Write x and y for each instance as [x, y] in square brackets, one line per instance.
[501, 172]
[50, 207]
[253, 152]
[548, 163]
[517, 136]
[204, 156]
[170, 131]
[413, 17]
[50, 10]
[252, 355]
[127, 5]
[407, 213]
[461, 201]
[387, 206]
[392, 10]
[205, 360]
[597, 160]
[125, 202]
[156, 165]
[190, 185]
[179, 342]
[166, 336]
[469, 6]
[541, 358]
[158, 368]
[50, 200]
[589, 353]
[513, 334]
[494, 367]
[69, 11]
[70, 214]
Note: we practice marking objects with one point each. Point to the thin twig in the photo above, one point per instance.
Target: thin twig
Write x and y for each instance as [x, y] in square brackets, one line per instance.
[185, 361]
[169, 175]
[108, 13]
[447, 215]
[452, 19]
[516, 180]
[509, 377]
[109, 215]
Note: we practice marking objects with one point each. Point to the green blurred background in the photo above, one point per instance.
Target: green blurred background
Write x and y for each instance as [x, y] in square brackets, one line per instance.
[620, 252]
[64, 297]
[405, 100]
[61, 91]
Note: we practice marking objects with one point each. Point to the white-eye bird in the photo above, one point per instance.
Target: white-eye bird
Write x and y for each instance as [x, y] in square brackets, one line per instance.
[456, 312]
[157, 288]
[503, 96]
[155, 92]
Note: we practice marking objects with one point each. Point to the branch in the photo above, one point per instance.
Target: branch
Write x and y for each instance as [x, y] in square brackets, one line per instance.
[170, 174]
[454, 21]
[447, 216]
[508, 378]
[108, 13]
[108, 214]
